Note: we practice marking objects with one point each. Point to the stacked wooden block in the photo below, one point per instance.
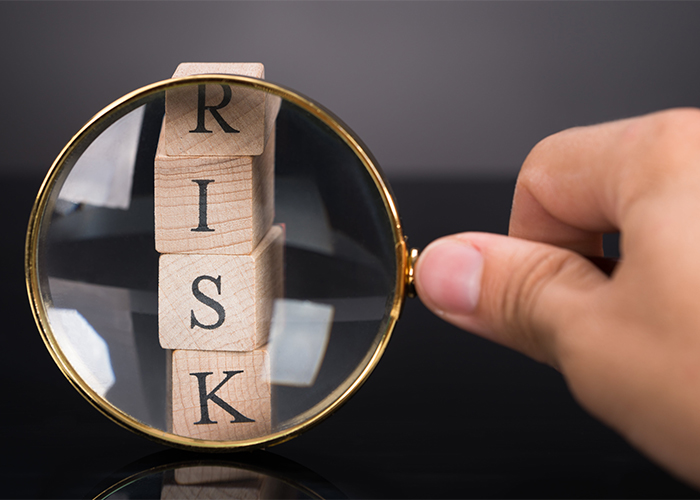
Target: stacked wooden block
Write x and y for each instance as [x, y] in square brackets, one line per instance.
[222, 260]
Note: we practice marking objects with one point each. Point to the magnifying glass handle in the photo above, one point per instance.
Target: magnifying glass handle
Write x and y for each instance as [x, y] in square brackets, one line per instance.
[605, 264]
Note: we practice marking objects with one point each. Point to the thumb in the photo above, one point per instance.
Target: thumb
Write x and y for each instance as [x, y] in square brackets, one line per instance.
[520, 293]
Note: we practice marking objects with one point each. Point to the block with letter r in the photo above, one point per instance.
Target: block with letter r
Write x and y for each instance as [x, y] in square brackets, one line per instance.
[217, 119]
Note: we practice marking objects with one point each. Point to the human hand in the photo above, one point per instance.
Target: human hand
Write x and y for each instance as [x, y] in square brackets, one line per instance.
[628, 345]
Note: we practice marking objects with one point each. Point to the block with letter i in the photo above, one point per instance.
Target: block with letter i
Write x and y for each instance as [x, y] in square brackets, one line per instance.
[222, 260]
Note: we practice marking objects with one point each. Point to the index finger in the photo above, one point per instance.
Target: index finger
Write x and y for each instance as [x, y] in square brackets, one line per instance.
[580, 183]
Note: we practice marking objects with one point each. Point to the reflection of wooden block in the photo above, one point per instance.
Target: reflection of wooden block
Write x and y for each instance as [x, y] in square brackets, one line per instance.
[224, 482]
[213, 205]
[213, 474]
[221, 395]
[211, 492]
[216, 120]
[213, 482]
[220, 302]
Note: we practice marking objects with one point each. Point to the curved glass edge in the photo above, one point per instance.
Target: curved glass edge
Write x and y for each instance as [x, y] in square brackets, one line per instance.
[125, 420]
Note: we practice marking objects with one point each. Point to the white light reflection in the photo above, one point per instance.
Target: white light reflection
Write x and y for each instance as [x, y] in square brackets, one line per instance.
[103, 174]
[83, 347]
[299, 335]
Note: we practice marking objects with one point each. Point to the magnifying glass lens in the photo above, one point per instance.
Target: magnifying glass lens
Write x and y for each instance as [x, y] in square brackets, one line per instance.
[215, 262]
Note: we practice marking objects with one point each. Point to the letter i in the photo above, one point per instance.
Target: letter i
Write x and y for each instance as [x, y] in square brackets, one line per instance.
[203, 227]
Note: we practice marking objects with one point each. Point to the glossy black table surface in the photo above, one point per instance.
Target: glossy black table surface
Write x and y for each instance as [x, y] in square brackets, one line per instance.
[444, 415]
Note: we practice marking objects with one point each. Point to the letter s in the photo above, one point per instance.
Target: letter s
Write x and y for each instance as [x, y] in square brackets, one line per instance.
[207, 301]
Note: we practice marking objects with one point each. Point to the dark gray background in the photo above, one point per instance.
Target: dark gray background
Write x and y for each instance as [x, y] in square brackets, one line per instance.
[433, 88]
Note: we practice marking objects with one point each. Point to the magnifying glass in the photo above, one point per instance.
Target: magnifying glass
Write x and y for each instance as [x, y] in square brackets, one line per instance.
[216, 262]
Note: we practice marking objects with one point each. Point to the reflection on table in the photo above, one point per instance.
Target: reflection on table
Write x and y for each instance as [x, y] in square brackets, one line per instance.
[257, 475]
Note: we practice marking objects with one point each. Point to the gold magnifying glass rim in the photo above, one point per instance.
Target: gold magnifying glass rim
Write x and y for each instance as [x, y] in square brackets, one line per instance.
[32, 244]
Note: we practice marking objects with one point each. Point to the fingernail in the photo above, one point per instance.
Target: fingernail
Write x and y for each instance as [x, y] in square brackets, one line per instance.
[449, 275]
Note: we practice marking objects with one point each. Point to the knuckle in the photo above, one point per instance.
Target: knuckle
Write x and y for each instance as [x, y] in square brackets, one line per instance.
[535, 158]
[678, 117]
[540, 158]
[657, 151]
[666, 135]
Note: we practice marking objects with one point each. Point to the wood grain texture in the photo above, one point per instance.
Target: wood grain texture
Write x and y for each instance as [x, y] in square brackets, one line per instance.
[249, 113]
[242, 288]
[217, 381]
[239, 202]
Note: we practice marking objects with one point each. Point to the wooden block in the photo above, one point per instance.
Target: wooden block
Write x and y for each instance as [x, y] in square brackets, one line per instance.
[221, 395]
[217, 120]
[213, 205]
[220, 302]
[254, 70]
